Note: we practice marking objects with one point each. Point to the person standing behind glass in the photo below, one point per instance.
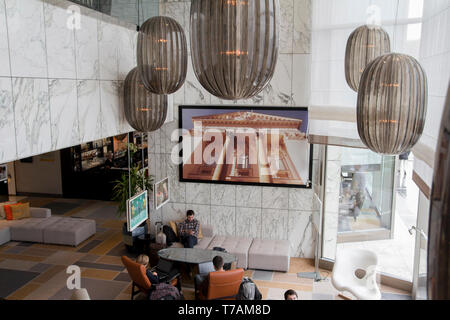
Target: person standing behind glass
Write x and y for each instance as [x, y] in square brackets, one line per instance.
[358, 190]
[109, 161]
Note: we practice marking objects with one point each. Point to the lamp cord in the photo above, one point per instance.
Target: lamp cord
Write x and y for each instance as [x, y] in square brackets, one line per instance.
[143, 164]
[395, 25]
[129, 174]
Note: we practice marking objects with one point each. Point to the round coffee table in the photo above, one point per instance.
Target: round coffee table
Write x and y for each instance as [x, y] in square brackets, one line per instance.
[194, 256]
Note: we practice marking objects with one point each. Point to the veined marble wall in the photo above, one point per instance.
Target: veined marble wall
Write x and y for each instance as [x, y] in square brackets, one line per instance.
[59, 86]
[248, 211]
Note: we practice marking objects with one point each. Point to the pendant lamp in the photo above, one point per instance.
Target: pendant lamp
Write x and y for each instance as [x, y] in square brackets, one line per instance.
[364, 44]
[392, 104]
[144, 111]
[162, 55]
[234, 45]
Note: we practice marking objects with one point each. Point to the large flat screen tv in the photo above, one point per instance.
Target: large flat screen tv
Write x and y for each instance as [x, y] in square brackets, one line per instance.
[245, 145]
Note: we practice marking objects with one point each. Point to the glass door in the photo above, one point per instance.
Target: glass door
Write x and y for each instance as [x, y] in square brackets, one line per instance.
[420, 254]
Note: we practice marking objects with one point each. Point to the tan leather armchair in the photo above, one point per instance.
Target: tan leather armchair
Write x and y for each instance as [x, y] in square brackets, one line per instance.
[223, 285]
[138, 275]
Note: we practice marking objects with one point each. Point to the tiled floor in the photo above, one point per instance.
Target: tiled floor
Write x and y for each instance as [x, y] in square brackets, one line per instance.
[38, 271]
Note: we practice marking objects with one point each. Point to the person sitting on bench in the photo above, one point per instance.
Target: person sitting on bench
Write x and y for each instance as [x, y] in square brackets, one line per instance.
[189, 230]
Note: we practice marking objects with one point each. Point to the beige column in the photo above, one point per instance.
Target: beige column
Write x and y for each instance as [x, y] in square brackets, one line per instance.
[221, 160]
[264, 172]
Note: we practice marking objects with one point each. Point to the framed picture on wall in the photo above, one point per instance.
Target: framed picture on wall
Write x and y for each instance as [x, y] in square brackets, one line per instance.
[162, 193]
[264, 146]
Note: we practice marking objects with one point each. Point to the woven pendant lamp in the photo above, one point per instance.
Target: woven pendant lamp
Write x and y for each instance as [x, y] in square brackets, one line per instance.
[392, 104]
[364, 44]
[162, 55]
[234, 45]
[144, 111]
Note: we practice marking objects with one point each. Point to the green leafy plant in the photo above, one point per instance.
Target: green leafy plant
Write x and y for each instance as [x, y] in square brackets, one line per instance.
[138, 180]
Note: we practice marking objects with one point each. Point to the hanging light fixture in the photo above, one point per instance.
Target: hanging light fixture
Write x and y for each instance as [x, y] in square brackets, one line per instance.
[392, 103]
[162, 55]
[144, 111]
[364, 44]
[234, 45]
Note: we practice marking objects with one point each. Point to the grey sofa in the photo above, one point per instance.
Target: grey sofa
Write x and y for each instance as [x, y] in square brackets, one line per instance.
[251, 253]
[44, 228]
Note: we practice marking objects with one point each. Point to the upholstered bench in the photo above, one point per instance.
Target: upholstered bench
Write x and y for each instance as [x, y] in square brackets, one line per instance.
[31, 229]
[234, 245]
[269, 255]
[69, 231]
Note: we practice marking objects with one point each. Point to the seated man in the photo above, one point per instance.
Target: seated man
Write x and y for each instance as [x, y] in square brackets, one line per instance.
[201, 280]
[189, 230]
[152, 276]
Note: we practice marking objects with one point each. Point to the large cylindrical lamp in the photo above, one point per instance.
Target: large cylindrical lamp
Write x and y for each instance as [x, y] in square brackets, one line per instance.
[392, 104]
[144, 111]
[364, 44]
[234, 45]
[162, 55]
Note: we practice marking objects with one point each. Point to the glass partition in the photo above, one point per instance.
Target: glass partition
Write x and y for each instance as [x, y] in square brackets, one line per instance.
[365, 195]
[132, 11]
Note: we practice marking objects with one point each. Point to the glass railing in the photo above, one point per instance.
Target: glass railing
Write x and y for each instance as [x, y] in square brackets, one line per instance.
[131, 11]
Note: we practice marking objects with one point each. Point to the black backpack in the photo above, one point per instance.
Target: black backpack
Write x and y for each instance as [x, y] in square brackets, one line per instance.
[248, 290]
[170, 235]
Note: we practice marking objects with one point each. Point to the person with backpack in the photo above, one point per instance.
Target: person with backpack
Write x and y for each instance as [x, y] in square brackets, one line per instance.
[248, 290]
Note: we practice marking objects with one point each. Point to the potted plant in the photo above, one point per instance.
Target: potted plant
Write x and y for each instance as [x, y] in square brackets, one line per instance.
[137, 180]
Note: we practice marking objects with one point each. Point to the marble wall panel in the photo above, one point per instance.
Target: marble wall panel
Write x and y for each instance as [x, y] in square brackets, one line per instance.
[302, 26]
[32, 116]
[279, 91]
[86, 45]
[286, 25]
[5, 66]
[60, 40]
[26, 38]
[300, 234]
[248, 196]
[108, 49]
[7, 132]
[275, 198]
[110, 106]
[198, 193]
[223, 195]
[223, 219]
[126, 52]
[301, 199]
[173, 211]
[63, 113]
[89, 110]
[177, 190]
[248, 222]
[194, 92]
[301, 82]
[274, 224]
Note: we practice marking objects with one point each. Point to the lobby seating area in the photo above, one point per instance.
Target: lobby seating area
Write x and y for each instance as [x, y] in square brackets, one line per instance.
[262, 254]
[224, 150]
[36, 271]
